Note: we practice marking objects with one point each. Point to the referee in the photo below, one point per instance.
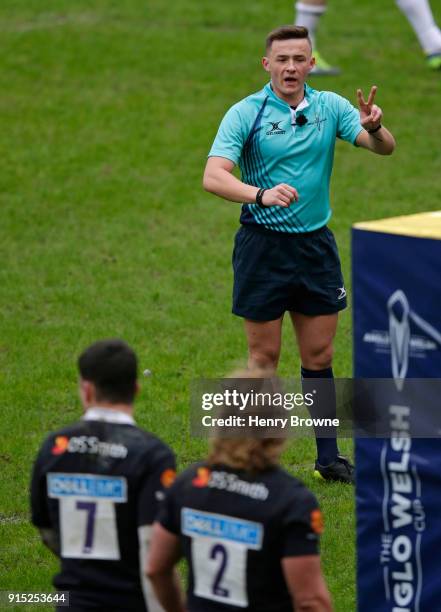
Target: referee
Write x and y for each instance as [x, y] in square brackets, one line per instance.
[285, 257]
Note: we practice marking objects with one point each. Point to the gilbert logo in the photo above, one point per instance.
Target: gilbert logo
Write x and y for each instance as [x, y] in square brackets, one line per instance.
[275, 128]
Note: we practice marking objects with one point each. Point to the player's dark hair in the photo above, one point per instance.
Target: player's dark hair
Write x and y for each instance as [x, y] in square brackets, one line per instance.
[111, 365]
[286, 32]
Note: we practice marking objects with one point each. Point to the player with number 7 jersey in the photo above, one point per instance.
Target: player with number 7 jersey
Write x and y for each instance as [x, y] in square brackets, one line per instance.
[96, 488]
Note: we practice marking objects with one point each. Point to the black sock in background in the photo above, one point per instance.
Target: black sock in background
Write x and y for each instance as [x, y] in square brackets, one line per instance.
[327, 449]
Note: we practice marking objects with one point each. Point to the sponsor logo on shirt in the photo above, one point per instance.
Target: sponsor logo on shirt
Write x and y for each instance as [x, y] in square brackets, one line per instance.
[196, 523]
[226, 481]
[87, 485]
[317, 524]
[275, 128]
[60, 446]
[89, 445]
[167, 478]
[202, 478]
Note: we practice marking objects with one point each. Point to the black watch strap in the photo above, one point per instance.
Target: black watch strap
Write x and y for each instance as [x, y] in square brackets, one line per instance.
[259, 196]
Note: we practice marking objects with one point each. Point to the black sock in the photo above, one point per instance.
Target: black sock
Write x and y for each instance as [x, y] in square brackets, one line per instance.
[327, 449]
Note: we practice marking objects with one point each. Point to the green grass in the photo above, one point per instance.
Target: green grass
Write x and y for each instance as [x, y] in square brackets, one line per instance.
[109, 108]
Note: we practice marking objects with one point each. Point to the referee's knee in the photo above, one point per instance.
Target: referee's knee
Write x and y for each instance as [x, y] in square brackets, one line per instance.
[263, 359]
[318, 359]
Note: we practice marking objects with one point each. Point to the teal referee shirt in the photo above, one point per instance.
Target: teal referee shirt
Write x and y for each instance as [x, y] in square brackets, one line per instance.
[260, 134]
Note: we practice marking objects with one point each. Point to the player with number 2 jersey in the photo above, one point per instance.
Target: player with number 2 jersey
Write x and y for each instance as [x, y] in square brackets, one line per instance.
[248, 530]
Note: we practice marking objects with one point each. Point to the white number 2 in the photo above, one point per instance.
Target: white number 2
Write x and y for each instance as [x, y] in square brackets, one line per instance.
[220, 570]
[219, 553]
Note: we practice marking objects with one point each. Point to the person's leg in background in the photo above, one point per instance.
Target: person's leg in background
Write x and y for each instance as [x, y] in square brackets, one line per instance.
[308, 14]
[420, 16]
[264, 342]
[315, 335]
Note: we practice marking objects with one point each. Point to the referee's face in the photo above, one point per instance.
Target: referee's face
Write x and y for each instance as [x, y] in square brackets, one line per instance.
[289, 63]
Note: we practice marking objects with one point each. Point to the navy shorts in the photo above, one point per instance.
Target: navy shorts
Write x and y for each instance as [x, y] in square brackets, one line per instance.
[275, 272]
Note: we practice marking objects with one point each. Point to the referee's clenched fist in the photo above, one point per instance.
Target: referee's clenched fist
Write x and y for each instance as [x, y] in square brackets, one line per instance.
[280, 195]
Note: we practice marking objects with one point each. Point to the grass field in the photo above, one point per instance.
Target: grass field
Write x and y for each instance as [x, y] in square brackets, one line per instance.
[109, 108]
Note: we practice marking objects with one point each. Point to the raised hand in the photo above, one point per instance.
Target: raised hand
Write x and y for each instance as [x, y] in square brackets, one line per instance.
[280, 195]
[370, 113]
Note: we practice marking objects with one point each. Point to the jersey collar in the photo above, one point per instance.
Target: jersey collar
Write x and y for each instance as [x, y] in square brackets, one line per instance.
[108, 415]
[303, 104]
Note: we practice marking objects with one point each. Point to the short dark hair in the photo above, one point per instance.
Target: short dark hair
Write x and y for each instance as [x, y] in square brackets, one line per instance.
[286, 32]
[111, 365]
